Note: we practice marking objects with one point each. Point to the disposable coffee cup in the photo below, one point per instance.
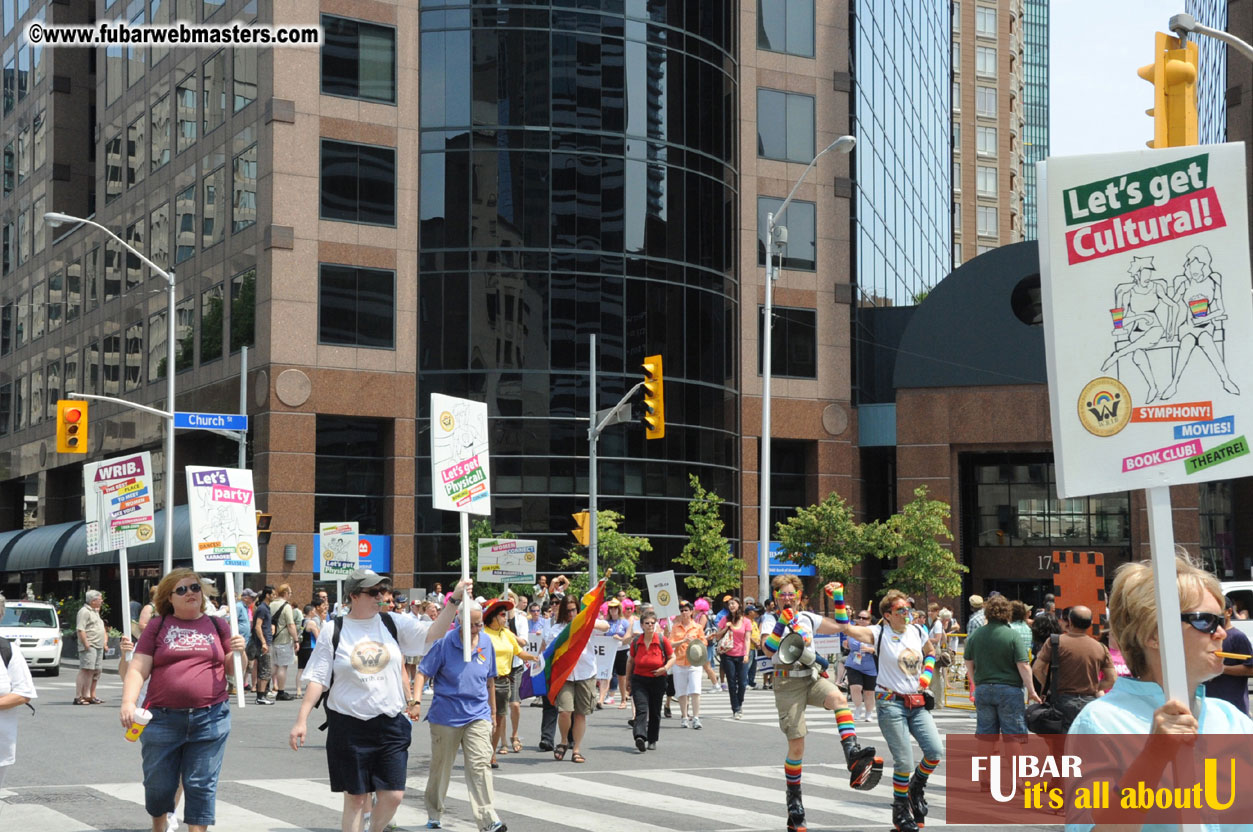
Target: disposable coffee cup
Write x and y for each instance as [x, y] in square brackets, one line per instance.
[138, 723]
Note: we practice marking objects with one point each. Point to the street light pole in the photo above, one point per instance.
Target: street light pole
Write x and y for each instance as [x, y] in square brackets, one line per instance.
[54, 218]
[1185, 24]
[774, 228]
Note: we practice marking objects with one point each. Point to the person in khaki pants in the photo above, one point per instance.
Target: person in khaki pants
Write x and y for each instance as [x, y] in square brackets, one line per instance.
[461, 716]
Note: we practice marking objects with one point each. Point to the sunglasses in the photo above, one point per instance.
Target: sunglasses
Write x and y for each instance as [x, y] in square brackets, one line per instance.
[903, 610]
[374, 592]
[1205, 622]
[183, 590]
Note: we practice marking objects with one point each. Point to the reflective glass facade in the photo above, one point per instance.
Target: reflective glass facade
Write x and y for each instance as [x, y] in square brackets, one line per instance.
[1035, 109]
[902, 209]
[1211, 89]
[578, 176]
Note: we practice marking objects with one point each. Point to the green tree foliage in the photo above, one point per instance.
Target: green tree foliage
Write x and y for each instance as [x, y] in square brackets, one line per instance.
[912, 538]
[707, 553]
[824, 536]
[614, 550]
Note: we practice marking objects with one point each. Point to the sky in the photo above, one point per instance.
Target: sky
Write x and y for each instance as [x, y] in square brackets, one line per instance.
[1096, 100]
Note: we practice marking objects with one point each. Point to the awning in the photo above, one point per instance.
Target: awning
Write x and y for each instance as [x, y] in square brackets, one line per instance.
[64, 546]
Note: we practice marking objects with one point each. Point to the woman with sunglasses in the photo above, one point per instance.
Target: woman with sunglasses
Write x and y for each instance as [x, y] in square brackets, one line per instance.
[182, 653]
[684, 632]
[862, 670]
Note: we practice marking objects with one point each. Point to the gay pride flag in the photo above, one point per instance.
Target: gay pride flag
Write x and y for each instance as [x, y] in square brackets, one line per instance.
[563, 652]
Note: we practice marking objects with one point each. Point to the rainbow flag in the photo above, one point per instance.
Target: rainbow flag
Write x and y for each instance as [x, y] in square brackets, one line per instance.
[563, 652]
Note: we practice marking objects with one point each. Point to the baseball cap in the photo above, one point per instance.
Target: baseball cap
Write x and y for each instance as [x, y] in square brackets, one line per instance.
[248, 593]
[361, 579]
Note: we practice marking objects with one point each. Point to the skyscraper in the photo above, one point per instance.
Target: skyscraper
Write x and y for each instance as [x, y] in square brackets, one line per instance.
[1035, 95]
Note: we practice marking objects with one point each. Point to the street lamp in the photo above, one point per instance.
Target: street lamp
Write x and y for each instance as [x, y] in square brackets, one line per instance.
[54, 218]
[776, 234]
[1185, 24]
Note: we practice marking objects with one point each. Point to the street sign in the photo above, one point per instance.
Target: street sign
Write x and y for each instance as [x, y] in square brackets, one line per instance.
[780, 565]
[507, 561]
[210, 421]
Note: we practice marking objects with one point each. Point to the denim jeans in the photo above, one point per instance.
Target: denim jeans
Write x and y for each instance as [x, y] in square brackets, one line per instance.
[1000, 709]
[186, 747]
[752, 668]
[735, 668]
[898, 724]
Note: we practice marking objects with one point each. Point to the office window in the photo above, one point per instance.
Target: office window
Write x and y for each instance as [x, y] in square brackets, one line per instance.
[793, 342]
[40, 140]
[244, 310]
[69, 378]
[111, 347]
[212, 321]
[38, 225]
[53, 373]
[245, 77]
[985, 138]
[159, 235]
[957, 17]
[187, 99]
[985, 101]
[136, 148]
[985, 21]
[348, 481]
[1015, 504]
[36, 398]
[358, 183]
[800, 220]
[6, 329]
[114, 73]
[957, 97]
[10, 79]
[91, 368]
[73, 291]
[957, 216]
[985, 60]
[160, 126]
[6, 249]
[987, 217]
[23, 70]
[244, 190]
[785, 126]
[786, 26]
[91, 278]
[185, 331]
[156, 346]
[113, 183]
[957, 57]
[957, 176]
[10, 167]
[159, 15]
[19, 402]
[213, 222]
[134, 266]
[56, 299]
[136, 57]
[985, 249]
[37, 69]
[957, 136]
[358, 59]
[6, 408]
[185, 225]
[957, 254]
[133, 374]
[23, 237]
[214, 86]
[356, 306]
[112, 271]
[23, 155]
[38, 311]
[21, 328]
[985, 180]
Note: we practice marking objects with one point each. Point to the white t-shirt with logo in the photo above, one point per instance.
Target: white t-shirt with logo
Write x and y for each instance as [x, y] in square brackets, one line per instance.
[367, 663]
[807, 621]
[900, 657]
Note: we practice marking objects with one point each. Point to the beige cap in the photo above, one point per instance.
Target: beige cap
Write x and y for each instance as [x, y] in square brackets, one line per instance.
[976, 601]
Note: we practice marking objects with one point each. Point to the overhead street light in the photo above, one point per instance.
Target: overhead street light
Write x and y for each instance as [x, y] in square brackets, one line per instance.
[776, 236]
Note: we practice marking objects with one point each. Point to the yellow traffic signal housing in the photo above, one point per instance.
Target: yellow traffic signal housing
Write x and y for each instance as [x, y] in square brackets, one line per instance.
[1173, 75]
[583, 534]
[71, 426]
[654, 399]
[263, 527]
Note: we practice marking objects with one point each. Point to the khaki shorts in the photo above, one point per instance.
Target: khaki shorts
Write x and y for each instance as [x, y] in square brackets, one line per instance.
[90, 658]
[577, 697]
[284, 654]
[791, 695]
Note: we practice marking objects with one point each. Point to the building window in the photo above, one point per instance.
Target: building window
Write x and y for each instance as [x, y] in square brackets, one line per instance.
[213, 221]
[1017, 505]
[38, 225]
[957, 97]
[212, 321]
[987, 220]
[957, 217]
[786, 26]
[40, 140]
[785, 126]
[957, 254]
[957, 58]
[244, 310]
[73, 291]
[136, 148]
[157, 334]
[160, 126]
[112, 169]
[159, 235]
[6, 407]
[957, 17]
[985, 249]
[793, 342]
[985, 60]
[244, 190]
[349, 471]
[358, 59]
[185, 225]
[356, 306]
[214, 92]
[1218, 530]
[185, 332]
[134, 267]
[986, 141]
[112, 348]
[801, 223]
[23, 155]
[134, 356]
[188, 116]
[91, 368]
[112, 271]
[10, 167]
[985, 22]
[358, 183]
[957, 137]
[957, 176]
[245, 77]
[985, 101]
[985, 180]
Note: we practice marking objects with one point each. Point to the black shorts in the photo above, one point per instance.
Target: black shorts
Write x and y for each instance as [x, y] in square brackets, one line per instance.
[367, 755]
[302, 657]
[860, 677]
[619, 663]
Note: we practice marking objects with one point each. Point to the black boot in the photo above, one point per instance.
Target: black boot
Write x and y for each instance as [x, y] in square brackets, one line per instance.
[795, 810]
[903, 816]
[864, 768]
[918, 801]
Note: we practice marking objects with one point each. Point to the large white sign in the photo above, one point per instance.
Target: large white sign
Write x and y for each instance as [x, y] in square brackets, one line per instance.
[119, 503]
[1147, 320]
[507, 561]
[663, 592]
[340, 549]
[460, 474]
[605, 648]
[221, 505]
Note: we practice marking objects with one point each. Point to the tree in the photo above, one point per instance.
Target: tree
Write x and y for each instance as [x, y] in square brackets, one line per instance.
[614, 550]
[480, 529]
[707, 553]
[824, 536]
[912, 537]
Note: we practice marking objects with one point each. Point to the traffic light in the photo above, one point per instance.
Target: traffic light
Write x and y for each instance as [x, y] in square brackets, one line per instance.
[583, 534]
[1173, 75]
[71, 426]
[654, 399]
[263, 527]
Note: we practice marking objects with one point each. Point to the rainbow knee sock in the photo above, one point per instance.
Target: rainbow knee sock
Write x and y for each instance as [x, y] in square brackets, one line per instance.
[836, 594]
[928, 671]
[924, 770]
[900, 785]
[844, 721]
[792, 772]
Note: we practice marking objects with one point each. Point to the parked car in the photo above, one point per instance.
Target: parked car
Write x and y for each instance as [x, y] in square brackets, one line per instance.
[35, 627]
[1241, 593]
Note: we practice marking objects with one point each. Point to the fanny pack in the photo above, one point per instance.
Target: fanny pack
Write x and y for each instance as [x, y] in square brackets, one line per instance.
[909, 700]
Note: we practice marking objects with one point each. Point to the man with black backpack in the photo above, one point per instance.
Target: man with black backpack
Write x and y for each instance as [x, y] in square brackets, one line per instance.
[649, 659]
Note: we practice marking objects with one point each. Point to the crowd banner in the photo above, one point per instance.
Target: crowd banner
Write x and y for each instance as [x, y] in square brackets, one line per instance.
[605, 648]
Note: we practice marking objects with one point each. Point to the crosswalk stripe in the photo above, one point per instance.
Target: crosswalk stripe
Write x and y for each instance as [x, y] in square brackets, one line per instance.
[227, 815]
[320, 794]
[34, 816]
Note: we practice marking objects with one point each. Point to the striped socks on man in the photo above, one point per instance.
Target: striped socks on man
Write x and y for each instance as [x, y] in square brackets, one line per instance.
[924, 770]
[792, 772]
[844, 722]
[900, 785]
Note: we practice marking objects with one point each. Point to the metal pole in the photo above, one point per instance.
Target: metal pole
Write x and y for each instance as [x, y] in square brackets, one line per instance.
[168, 560]
[465, 575]
[592, 438]
[243, 406]
[763, 487]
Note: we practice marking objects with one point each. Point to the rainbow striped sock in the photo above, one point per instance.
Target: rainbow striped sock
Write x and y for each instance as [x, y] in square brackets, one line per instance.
[844, 721]
[928, 671]
[836, 594]
[792, 772]
[900, 785]
[924, 769]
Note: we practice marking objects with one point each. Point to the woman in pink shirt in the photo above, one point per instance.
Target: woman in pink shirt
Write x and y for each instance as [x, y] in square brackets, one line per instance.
[735, 660]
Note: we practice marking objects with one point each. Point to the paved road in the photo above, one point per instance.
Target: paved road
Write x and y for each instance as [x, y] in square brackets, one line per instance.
[76, 774]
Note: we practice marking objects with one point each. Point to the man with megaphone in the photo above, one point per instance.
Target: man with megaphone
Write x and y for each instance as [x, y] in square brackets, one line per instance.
[797, 683]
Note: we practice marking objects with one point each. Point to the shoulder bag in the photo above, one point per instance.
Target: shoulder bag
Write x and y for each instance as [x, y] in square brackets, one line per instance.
[1046, 717]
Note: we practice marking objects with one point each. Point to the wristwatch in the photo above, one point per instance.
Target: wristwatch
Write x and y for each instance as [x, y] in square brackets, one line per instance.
[413, 702]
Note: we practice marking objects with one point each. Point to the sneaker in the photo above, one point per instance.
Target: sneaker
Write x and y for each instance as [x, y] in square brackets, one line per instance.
[738, 715]
[284, 696]
[859, 715]
[271, 695]
[903, 816]
[432, 823]
[652, 746]
[639, 744]
[609, 699]
[696, 722]
[685, 723]
[171, 822]
[261, 700]
[498, 826]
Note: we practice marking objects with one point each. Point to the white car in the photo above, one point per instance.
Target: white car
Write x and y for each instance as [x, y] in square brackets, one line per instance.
[35, 627]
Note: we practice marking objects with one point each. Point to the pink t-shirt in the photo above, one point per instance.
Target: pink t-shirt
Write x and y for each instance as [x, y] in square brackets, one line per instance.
[739, 638]
[188, 661]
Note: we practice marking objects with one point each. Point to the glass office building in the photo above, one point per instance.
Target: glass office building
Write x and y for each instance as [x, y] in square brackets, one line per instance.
[1035, 97]
[1211, 89]
[578, 177]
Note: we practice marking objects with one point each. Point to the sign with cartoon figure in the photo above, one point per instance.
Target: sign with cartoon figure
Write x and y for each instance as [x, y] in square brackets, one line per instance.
[1145, 286]
[118, 503]
[221, 506]
[340, 550]
[460, 474]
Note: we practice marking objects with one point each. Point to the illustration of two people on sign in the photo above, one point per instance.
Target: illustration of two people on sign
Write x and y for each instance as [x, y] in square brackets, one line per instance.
[462, 440]
[1182, 316]
[221, 523]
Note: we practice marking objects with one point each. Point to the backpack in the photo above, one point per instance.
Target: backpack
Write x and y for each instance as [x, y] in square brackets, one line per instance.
[274, 614]
[6, 653]
[665, 651]
[388, 622]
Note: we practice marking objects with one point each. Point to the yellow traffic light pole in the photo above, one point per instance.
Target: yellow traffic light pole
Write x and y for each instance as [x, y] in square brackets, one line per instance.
[1173, 75]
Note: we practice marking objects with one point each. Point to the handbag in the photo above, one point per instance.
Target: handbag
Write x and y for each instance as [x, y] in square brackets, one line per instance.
[1046, 717]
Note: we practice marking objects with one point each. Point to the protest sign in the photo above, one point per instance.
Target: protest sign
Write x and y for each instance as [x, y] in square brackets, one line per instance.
[220, 503]
[460, 470]
[506, 561]
[605, 648]
[663, 592]
[340, 544]
[119, 508]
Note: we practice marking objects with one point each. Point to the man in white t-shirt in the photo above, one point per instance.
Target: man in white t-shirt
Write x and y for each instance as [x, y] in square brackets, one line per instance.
[16, 690]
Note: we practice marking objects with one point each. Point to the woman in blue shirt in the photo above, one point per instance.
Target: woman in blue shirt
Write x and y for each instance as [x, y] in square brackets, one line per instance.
[862, 668]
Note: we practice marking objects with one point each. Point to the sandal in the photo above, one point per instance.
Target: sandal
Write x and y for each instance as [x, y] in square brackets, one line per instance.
[517, 745]
[578, 758]
[495, 764]
[91, 700]
[80, 701]
[559, 753]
